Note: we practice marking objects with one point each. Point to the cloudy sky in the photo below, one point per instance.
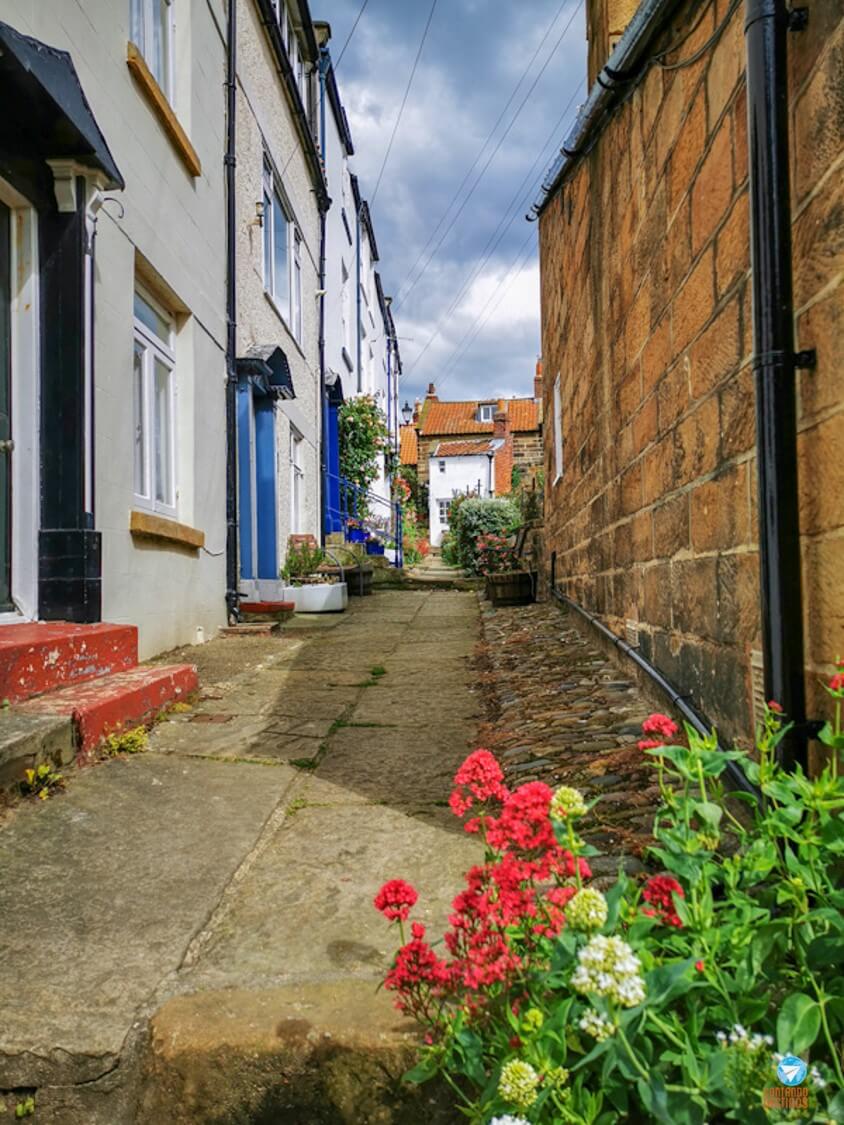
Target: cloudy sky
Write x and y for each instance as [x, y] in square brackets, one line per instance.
[465, 286]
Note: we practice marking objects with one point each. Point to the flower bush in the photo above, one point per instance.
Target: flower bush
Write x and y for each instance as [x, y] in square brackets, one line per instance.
[471, 518]
[495, 555]
[364, 440]
[669, 998]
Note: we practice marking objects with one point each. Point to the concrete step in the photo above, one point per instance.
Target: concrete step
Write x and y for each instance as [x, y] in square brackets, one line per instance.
[250, 629]
[27, 741]
[38, 657]
[116, 702]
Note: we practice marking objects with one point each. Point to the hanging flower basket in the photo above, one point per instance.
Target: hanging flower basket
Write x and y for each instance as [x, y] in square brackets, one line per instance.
[511, 587]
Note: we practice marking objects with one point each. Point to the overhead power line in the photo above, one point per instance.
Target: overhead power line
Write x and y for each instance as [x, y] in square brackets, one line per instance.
[404, 101]
[493, 242]
[349, 36]
[481, 150]
[492, 155]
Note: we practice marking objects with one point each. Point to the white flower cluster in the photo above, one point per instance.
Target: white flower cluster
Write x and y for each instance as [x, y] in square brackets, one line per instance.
[596, 1025]
[567, 802]
[508, 1119]
[517, 1084]
[607, 966]
[587, 910]
[737, 1036]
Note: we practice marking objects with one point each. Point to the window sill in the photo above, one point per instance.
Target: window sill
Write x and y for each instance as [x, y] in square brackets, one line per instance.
[145, 525]
[275, 307]
[162, 109]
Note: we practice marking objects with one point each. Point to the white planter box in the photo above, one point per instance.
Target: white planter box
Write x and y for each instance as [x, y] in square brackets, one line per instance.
[318, 599]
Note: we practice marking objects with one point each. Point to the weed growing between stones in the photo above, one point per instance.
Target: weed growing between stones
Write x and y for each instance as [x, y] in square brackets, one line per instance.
[134, 741]
[41, 782]
[672, 999]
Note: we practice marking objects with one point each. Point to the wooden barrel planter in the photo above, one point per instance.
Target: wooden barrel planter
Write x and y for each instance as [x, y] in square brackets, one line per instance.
[357, 578]
[512, 587]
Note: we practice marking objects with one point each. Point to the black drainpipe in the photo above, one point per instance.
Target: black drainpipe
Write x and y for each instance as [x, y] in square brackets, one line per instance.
[231, 321]
[766, 27]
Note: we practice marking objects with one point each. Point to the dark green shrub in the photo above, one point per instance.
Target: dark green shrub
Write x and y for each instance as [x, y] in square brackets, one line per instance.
[474, 518]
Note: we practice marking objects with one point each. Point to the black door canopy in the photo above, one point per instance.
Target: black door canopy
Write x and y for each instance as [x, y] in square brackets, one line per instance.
[267, 367]
[45, 111]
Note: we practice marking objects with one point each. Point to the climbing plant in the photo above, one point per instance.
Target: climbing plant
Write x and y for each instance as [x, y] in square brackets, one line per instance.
[363, 439]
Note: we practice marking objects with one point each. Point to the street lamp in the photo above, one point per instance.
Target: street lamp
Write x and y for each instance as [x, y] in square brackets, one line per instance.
[407, 413]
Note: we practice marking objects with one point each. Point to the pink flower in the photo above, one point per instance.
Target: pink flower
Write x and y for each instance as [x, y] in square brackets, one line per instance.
[478, 779]
[699, 965]
[395, 900]
[661, 725]
[774, 706]
[837, 682]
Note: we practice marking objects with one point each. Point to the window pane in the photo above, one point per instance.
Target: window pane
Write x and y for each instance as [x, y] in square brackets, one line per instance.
[268, 243]
[159, 62]
[140, 420]
[153, 320]
[281, 282]
[136, 23]
[163, 435]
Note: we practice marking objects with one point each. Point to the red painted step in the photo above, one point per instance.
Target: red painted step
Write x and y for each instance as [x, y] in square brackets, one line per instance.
[267, 607]
[119, 701]
[38, 657]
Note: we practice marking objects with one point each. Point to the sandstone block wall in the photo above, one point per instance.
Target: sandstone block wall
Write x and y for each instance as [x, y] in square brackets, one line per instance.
[646, 315]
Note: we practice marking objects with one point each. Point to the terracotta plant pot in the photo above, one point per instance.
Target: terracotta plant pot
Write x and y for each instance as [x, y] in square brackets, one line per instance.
[511, 587]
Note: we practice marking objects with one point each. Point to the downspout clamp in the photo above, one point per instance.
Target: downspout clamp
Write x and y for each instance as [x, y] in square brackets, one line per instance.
[774, 365]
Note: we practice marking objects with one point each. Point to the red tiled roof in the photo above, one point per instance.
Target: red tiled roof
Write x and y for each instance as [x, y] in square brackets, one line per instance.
[461, 417]
[461, 448]
[408, 445]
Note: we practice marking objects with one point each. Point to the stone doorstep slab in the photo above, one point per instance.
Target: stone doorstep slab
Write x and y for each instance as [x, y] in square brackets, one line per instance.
[318, 1052]
[27, 741]
[117, 702]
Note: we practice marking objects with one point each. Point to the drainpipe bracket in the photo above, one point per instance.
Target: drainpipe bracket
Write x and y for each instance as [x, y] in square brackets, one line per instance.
[798, 19]
[806, 360]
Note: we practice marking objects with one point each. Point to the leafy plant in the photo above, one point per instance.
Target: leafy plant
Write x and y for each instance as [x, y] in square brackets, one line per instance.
[302, 561]
[41, 782]
[448, 549]
[669, 999]
[471, 518]
[25, 1107]
[496, 555]
[134, 741]
[364, 438]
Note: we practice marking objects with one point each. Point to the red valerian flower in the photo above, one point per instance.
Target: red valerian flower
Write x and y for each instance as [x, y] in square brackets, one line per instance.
[661, 729]
[659, 891]
[478, 779]
[699, 965]
[525, 820]
[837, 682]
[774, 706]
[395, 900]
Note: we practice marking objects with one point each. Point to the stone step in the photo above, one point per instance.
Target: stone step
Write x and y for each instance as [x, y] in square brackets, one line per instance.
[250, 629]
[116, 702]
[27, 741]
[38, 657]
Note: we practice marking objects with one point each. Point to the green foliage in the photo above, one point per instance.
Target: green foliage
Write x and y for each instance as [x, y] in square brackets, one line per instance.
[25, 1107]
[448, 548]
[741, 957]
[41, 782]
[363, 439]
[414, 542]
[302, 561]
[470, 518]
[377, 671]
[134, 741]
[496, 555]
[528, 496]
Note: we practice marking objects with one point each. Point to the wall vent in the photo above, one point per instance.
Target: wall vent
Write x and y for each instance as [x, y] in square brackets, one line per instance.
[757, 686]
[631, 630]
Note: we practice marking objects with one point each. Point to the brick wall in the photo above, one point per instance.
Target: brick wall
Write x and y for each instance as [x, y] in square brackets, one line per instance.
[646, 315]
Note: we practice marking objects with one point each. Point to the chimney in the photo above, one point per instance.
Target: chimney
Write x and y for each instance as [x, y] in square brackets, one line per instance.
[417, 406]
[537, 381]
[501, 425]
[432, 391]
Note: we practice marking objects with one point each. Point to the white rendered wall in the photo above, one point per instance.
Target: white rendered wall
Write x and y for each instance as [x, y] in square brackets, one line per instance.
[265, 119]
[177, 224]
[462, 474]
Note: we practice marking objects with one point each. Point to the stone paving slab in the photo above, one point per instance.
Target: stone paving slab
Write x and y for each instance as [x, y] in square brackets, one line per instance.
[102, 889]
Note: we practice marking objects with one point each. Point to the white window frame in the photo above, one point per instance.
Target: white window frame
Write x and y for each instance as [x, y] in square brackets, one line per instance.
[296, 285]
[443, 506]
[162, 350]
[142, 31]
[486, 412]
[282, 302]
[558, 430]
[297, 480]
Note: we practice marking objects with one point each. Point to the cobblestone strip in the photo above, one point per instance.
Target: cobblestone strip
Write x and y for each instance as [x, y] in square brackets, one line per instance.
[560, 712]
